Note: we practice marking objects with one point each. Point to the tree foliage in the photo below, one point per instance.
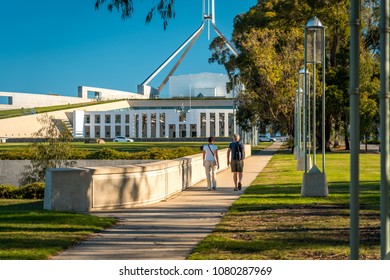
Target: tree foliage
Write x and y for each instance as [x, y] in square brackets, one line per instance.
[164, 8]
[52, 149]
[270, 39]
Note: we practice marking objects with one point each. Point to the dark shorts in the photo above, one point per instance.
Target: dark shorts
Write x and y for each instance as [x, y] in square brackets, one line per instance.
[237, 165]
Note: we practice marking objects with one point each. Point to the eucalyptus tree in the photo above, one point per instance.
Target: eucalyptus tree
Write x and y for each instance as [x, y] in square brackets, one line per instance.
[163, 8]
[51, 148]
[270, 40]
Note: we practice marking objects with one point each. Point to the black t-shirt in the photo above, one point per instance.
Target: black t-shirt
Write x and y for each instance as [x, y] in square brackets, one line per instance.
[237, 150]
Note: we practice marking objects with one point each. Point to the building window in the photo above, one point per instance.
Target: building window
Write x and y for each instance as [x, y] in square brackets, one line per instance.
[108, 132]
[97, 119]
[87, 119]
[127, 118]
[118, 131]
[6, 100]
[108, 118]
[117, 118]
[93, 95]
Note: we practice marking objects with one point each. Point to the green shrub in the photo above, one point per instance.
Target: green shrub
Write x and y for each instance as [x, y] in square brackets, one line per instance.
[30, 191]
[184, 151]
[33, 191]
[373, 142]
[80, 154]
[109, 154]
[7, 191]
[17, 154]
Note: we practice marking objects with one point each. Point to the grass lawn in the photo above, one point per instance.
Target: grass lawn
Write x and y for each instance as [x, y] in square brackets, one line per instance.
[272, 221]
[27, 232]
[21, 112]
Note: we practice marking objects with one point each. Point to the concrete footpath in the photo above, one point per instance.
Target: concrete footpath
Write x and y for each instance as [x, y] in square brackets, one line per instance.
[171, 229]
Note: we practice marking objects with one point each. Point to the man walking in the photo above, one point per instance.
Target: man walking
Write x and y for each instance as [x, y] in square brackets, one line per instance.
[235, 158]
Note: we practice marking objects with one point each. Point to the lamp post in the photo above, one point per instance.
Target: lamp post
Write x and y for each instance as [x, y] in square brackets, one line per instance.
[304, 100]
[314, 181]
[297, 113]
[384, 132]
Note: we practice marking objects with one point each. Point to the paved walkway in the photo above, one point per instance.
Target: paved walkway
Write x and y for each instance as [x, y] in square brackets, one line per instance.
[168, 230]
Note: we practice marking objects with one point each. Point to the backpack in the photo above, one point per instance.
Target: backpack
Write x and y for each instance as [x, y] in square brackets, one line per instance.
[238, 152]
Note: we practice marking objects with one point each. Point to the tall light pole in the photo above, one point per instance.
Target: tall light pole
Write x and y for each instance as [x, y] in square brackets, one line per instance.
[297, 118]
[304, 90]
[385, 127]
[314, 181]
[354, 94]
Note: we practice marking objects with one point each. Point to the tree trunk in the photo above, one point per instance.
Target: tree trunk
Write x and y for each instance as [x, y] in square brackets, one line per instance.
[328, 125]
[347, 148]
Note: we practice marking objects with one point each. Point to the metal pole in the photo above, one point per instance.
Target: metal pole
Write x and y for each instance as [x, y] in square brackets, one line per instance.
[299, 118]
[323, 100]
[354, 122]
[384, 126]
[314, 101]
[296, 120]
[304, 103]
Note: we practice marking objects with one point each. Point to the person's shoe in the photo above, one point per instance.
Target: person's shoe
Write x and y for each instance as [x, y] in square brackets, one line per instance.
[214, 188]
[209, 189]
[235, 189]
[239, 186]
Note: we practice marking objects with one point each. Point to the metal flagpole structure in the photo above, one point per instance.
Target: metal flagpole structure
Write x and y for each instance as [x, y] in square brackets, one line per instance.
[208, 17]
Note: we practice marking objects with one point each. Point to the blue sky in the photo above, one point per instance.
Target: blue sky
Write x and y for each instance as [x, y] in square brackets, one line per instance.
[55, 46]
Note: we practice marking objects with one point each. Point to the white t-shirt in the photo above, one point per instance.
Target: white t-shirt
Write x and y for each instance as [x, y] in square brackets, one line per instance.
[209, 155]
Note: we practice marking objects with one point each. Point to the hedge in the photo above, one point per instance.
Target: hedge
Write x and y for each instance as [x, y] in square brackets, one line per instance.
[31, 191]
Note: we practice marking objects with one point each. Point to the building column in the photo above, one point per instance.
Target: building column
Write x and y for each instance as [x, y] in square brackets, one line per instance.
[188, 125]
[207, 124]
[157, 125]
[216, 124]
[132, 125]
[91, 126]
[92, 130]
[140, 120]
[198, 123]
[102, 130]
[148, 125]
[177, 129]
[166, 125]
[226, 132]
[123, 124]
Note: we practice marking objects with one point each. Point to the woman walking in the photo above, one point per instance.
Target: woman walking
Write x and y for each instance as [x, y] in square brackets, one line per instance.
[210, 163]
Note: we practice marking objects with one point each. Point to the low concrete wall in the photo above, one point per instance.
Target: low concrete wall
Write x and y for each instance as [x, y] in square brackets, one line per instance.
[11, 170]
[123, 186]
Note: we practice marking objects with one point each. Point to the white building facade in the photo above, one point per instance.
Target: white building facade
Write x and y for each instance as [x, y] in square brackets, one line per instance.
[198, 106]
[163, 119]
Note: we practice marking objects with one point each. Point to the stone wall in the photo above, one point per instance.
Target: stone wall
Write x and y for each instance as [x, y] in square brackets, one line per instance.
[123, 186]
[11, 170]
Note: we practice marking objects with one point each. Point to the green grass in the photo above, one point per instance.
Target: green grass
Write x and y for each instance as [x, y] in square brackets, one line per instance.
[37, 110]
[272, 221]
[27, 232]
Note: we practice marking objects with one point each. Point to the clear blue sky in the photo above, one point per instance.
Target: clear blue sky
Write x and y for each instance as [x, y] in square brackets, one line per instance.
[55, 46]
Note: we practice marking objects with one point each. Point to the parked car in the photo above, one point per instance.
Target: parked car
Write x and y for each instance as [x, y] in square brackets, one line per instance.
[264, 138]
[122, 139]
